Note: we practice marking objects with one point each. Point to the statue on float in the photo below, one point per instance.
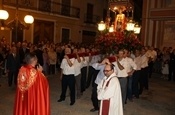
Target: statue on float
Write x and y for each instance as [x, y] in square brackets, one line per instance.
[120, 21]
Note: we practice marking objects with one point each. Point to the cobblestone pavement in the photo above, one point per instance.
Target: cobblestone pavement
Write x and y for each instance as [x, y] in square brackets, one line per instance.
[159, 100]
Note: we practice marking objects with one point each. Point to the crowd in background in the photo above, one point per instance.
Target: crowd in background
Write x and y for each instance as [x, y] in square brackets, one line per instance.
[50, 56]
[164, 63]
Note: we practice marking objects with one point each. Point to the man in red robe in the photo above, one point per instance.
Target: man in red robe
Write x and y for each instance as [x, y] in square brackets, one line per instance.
[32, 95]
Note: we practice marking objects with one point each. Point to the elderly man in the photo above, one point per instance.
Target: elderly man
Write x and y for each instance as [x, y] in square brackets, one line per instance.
[109, 92]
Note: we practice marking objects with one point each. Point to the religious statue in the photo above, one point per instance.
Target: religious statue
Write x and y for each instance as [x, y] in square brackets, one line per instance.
[120, 21]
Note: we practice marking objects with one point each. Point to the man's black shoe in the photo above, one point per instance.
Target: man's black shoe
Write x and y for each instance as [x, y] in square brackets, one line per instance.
[93, 110]
[60, 100]
[72, 103]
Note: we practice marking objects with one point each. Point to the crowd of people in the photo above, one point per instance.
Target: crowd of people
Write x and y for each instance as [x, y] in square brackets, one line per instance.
[122, 76]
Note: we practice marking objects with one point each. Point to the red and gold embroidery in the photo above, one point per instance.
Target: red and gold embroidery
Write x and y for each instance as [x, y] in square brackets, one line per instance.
[26, 78]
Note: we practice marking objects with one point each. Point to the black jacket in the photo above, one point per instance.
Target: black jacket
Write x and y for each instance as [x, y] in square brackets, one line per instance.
[39, 55]
[13, 63]
[22, 54]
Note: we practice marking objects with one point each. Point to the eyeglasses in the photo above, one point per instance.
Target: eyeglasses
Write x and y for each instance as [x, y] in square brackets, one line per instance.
[106, 70]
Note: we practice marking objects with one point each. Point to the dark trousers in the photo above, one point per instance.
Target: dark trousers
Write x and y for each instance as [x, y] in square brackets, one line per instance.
[90, 76]
[143, 79]
[94, 97]
[83, 78]
[123, 85]
[52, 69]
[78, 85]
[171, 72]
[129, 87]
[1, 71]
[150, 68]
[12, 76]
[136, 77]
[68, 80]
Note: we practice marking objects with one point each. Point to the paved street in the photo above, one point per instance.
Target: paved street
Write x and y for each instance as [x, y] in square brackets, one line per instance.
[159, 100]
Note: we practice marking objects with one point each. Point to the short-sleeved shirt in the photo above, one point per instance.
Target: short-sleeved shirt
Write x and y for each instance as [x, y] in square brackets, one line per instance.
[67, 70]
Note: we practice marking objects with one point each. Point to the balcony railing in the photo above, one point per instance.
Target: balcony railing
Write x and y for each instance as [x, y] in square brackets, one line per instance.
[45, 6]
[91, 19]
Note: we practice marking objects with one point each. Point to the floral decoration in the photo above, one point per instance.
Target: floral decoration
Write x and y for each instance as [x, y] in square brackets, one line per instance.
[112, 42]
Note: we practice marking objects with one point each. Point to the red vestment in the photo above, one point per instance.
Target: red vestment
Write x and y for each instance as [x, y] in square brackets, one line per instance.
[32, 95]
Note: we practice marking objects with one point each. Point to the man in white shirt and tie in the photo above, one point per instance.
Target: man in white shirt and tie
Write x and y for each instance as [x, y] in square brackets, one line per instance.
[136, 74]
[144, 71]
[130, 68]
[122, 74]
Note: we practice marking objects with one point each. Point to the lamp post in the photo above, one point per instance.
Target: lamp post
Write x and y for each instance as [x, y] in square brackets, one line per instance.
[130, 25]
[137, 29]
[101, 26]
[4, 15]
[111, 28]
[28, 19]
[16, 25]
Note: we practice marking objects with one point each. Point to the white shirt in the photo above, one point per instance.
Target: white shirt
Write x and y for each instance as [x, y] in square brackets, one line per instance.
[67, 70]
[151, 54]
[95, 59]
[121, 73]
[148, 53]
[85, 62]
[138, 62]
[77, 66]
[144, 61]
[129, 64]
[91, 60]
[132, 56]
[100, 74]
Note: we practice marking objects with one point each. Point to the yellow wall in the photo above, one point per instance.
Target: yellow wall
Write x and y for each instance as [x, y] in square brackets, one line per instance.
[6, 34]
[75, 25]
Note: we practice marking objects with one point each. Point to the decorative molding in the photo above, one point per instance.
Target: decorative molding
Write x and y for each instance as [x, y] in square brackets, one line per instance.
[162, 13]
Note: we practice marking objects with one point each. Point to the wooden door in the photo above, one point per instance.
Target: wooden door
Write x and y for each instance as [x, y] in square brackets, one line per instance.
[43, 31]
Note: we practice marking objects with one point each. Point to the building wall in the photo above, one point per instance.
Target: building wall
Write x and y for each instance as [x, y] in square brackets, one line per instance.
[76, 25]
[158, 23]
